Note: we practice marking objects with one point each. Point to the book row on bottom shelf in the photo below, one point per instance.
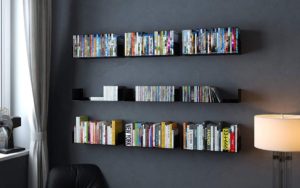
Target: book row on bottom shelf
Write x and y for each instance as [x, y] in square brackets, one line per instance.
[205, 136]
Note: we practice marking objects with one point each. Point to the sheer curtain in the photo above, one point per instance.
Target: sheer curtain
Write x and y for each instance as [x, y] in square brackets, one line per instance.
[38, 43]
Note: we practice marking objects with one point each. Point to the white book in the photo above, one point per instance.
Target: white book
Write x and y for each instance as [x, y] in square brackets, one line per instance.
[77, 121]
[222, 143]
[128, 134]
[133, 137]
[75, 134]
[144, 136]
[96, 98]
[103, 134]
[212, 135]
[78, 46]
[111, 93]
[190, 138]
[172, 139]
[86, 130]
[136, 93]
[198, 137]
[167, 136]
[105, 92]
[201, 137]
[109, 136]
[116, 93]
[159, 136]
[217, 138]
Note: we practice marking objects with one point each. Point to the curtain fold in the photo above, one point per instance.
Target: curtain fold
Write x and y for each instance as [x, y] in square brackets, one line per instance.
[38, 42]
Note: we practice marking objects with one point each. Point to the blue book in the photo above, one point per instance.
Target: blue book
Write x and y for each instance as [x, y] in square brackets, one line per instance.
[106, 45]
[98, 45]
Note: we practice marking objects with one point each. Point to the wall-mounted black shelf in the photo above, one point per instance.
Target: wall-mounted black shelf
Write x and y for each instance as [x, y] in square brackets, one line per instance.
[128, 95]
[158, 149]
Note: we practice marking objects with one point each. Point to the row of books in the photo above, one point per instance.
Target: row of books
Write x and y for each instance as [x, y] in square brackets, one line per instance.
[155, 93]
[211, 136]
[207, 41]
[95, 45]
[159, 135]
[200, 94]
[96, 132]
[148, 44]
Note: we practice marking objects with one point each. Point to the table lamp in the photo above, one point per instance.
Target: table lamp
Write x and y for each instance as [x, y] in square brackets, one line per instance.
[281, 134]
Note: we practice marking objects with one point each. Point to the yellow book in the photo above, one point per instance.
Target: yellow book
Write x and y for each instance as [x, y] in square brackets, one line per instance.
[163, 130]
[117, 127]
[226, 139]
[162, 42]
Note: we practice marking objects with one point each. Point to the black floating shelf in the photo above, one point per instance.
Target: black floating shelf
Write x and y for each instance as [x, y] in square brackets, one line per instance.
[158, 149]
[145, 56]
[211, 54]
[127, 95]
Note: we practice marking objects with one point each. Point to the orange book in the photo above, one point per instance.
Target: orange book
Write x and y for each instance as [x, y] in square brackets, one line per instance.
[184, 135]
[163, 129]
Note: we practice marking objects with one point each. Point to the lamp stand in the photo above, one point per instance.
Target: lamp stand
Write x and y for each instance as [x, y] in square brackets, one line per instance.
[282, 169]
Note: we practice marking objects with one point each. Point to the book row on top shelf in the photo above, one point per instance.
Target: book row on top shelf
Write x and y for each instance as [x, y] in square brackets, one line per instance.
[190, 94]
[159, 43]
[205, 136]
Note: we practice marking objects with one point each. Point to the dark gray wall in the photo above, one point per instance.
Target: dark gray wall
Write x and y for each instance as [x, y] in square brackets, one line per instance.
[14, 173]
[268, 71]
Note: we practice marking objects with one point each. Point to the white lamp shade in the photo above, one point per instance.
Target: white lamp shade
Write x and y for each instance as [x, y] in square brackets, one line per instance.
[277, 132]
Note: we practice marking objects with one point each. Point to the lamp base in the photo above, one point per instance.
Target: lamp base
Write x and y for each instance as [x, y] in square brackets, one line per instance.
[282, 169]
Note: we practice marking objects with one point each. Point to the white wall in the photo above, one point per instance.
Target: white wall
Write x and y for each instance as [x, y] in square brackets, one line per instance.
[21, 91]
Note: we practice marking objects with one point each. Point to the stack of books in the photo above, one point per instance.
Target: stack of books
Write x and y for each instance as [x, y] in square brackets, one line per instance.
[209, 136]
[209, 41]
[152, 135]
[110, 93]
[95, 45]
[149, 44]
[207, 94]
[96, 132]
[155, 93]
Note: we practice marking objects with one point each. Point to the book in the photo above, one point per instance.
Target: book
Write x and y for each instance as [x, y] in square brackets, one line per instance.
[117, 128]
[128, 134]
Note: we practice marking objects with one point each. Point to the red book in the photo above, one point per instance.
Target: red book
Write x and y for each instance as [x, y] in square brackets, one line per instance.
[233, 40]
[232, 139]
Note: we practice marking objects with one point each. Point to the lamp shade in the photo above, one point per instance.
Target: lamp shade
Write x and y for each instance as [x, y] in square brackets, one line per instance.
[277, 132]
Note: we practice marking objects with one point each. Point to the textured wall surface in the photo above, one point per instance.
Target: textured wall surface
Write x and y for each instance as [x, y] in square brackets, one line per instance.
[267, 70]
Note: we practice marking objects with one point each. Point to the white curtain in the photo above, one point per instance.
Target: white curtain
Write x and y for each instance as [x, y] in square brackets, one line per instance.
[38, 43]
